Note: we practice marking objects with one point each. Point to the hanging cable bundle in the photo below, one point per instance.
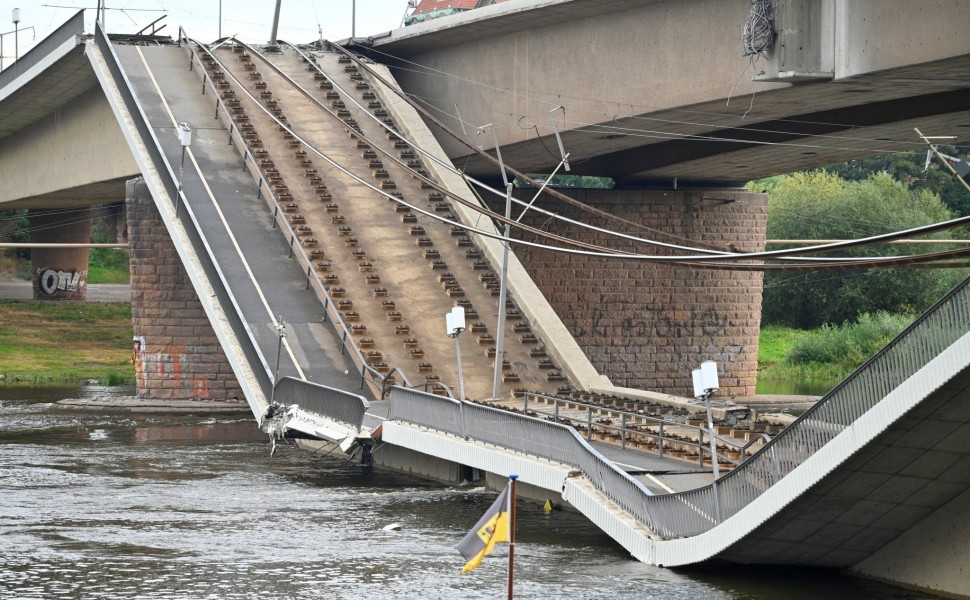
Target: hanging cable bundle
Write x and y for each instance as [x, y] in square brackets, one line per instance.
[758, 34]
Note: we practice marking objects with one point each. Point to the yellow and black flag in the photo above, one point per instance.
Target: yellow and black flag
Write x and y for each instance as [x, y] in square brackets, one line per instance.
[492, 528]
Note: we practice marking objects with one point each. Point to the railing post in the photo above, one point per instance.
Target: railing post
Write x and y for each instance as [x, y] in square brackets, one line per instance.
[661, 439]
[292, 238]
[525, 405]
[205, 78]
[218, 101]
[700, 449]
[308, 271]
[556, 410]
[276, 210]
[343, 343]
[622, 430]
[589, 423]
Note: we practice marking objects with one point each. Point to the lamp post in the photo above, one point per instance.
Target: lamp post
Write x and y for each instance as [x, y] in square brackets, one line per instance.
[455, 324]
[16, 36]
[185, 138]
[705, 384]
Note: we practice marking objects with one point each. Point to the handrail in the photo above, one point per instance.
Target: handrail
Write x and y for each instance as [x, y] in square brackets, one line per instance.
[193, 229]
[264, 189]
[928, 336]
[694, 512]
[528, 435]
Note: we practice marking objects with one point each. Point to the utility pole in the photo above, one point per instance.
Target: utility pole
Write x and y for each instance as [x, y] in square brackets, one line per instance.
[276, 23]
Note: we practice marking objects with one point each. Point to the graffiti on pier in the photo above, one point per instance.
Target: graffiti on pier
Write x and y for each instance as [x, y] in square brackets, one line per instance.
[655, 322]
[54, 283]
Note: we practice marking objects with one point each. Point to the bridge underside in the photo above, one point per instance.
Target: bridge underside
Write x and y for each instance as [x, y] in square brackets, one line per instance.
[652, 91]
[715, 144]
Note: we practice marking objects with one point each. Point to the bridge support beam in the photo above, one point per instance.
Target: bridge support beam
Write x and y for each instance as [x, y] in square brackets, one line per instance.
[60, 273]
[177, 354]
[646, 325]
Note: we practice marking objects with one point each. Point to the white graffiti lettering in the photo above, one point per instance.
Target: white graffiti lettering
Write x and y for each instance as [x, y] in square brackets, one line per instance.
[52, 281]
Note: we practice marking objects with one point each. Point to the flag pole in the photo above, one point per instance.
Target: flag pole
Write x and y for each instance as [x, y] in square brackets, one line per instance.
[512, 479]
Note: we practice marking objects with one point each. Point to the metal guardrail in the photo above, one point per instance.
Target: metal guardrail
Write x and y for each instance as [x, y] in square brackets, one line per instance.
[528, 435]
[71, 28]
[691, 513]
[191, 225]
[630, 429]
[322, 400]
[926, 338]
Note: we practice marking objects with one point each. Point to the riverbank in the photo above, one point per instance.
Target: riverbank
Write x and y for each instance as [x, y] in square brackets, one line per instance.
[57, 343]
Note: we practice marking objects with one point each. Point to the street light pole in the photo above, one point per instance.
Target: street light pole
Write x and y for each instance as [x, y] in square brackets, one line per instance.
[16, 34]
[455, 324]
[185, 138]
[705, 384]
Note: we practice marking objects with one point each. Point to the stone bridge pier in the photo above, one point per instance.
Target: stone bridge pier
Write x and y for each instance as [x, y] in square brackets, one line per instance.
[647, 325]
[176, 353]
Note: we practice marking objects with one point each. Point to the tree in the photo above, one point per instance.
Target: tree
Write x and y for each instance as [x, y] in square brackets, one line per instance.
[911, 169]
[821, 205]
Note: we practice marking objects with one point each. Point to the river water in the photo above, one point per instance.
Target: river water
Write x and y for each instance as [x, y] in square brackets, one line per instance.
[97, 506]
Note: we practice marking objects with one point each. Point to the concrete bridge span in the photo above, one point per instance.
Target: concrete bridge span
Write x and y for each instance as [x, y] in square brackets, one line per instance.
[654, 91]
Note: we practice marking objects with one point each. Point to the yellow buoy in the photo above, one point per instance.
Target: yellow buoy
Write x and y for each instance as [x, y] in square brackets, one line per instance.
[548, 507]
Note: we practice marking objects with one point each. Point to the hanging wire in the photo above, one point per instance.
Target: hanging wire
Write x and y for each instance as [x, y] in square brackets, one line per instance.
[758, 33]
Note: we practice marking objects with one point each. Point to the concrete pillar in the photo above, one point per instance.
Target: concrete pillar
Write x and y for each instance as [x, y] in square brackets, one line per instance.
[60, 273]
[646, 325]
[177, 354]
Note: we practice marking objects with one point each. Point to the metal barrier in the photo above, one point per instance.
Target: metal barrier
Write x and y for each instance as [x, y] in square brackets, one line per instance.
[938, 328]
[193, 229]
[322, 400]
[691, 513]
[520, 433]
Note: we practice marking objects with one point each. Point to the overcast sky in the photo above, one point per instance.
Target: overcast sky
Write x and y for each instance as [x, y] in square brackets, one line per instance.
[251, 20]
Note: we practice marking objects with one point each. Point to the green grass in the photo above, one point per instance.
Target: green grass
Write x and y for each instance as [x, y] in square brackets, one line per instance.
[820, 358]
[108, 265]
[61, 343]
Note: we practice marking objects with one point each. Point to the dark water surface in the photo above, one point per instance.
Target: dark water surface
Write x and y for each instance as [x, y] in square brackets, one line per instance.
[96, 506]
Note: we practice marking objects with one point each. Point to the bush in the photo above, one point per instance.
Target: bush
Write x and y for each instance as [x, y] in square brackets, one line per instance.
[850, 344]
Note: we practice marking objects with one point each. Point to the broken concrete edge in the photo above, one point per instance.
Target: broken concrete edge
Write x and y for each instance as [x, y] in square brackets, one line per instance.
[542, 317]
[134, 407]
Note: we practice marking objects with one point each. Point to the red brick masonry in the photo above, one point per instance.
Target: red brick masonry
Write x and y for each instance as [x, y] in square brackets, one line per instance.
[177, 354]
[645, 325]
